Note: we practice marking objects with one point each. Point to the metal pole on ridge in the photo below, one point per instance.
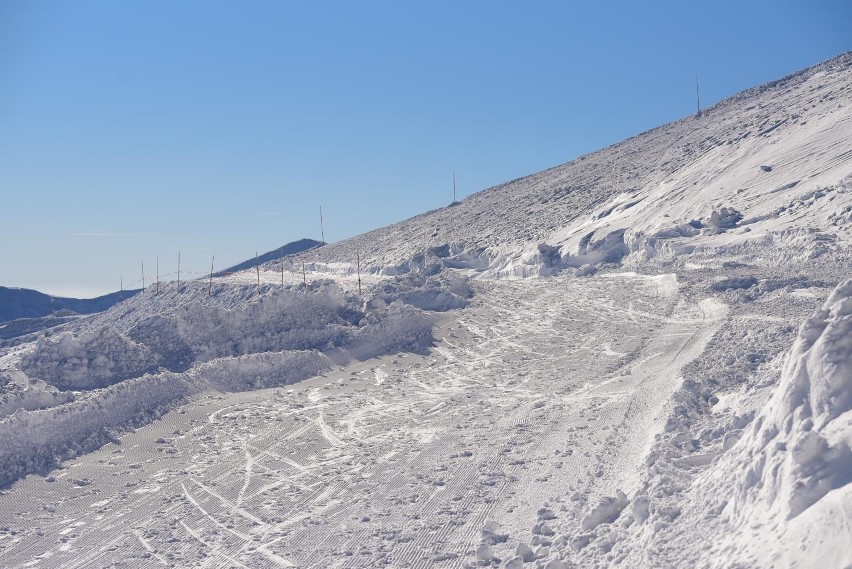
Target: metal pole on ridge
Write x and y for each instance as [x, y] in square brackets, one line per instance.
[210, 285]
[697, 96]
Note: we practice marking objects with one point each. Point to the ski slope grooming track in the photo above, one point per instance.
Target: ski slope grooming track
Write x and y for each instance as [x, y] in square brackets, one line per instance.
[541, 392]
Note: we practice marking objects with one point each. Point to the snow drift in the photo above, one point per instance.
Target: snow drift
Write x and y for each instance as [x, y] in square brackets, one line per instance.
[798, 448]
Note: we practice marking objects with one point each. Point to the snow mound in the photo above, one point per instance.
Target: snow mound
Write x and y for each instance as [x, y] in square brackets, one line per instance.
[606, 512]
[798, 449]
[286, 319]
[89, 360]
[440, 292]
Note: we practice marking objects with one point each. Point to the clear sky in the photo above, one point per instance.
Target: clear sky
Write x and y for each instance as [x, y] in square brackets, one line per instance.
[134, 129]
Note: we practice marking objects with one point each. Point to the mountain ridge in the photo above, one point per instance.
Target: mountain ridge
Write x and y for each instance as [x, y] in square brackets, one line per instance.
[291, 248]
[18, 303]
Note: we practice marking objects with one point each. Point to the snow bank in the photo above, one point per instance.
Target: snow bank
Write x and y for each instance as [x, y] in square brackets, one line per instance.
[89, 360]
[397, 327]
[798, 449]
[272, 340]
[36, 441]
[38, 395]
[756, 475]
[611, 248]
[258, 371]
[283, 319]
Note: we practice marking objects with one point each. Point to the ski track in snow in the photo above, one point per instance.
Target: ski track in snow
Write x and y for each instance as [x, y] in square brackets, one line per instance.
[522, 402]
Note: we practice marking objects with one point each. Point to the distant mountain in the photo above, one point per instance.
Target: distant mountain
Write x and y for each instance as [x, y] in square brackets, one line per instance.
[288, 249]
[26, 303]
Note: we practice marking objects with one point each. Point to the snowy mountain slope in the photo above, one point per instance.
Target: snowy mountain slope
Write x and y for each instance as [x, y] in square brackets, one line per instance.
[645, 401]
[652, 186]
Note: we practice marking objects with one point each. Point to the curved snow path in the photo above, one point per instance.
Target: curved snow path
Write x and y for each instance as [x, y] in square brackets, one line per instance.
[542, 391]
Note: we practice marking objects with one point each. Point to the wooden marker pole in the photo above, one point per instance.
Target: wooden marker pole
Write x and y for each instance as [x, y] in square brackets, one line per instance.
[322, 229]
[304, 277]
[358, 256]
[143, 275]
[281, 257]
[257, 266]
[178, 280]
[158, 275]
[454, 186]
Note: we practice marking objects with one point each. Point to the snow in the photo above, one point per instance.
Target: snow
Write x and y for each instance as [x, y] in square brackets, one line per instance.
[797, 449]
[641, 358]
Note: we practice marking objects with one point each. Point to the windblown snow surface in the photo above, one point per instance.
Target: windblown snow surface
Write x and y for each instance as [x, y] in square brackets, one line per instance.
[640, 358]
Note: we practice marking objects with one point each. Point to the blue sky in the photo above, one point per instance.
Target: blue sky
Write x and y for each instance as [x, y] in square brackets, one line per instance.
[131, 130]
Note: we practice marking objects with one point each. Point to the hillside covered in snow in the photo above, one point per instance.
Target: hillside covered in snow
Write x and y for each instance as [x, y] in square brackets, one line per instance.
[640, 358]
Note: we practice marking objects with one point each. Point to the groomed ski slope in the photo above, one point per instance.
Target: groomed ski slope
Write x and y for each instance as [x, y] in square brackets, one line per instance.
[523, 404]
[640, 358]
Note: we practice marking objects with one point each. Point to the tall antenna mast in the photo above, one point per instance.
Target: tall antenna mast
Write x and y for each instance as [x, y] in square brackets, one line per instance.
[322, 230]
[697, 95]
